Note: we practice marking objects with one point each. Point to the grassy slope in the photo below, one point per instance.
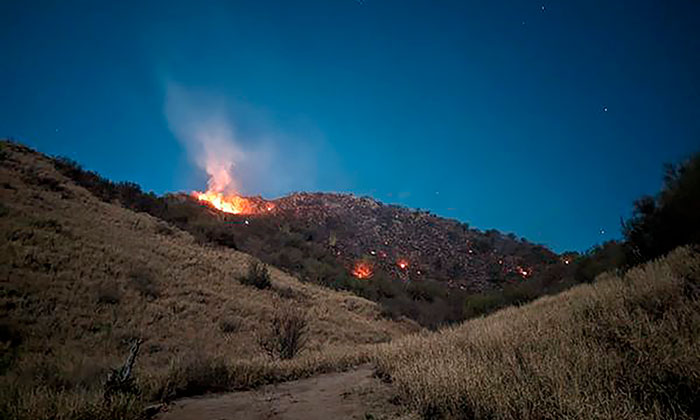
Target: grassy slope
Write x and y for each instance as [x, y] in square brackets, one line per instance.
[79, 278]
[621, 348]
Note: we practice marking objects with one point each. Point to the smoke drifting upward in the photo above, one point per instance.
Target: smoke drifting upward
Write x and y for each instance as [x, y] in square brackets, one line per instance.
[261, 162]
[207, 137]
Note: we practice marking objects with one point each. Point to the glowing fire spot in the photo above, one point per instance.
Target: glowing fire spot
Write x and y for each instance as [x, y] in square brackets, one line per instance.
[269, 207]
[229, 204]
[403, 264]
[362, 270]
[523, 272]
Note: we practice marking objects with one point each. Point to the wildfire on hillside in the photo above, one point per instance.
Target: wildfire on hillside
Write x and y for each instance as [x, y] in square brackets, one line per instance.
[233, 204]
[362, 270]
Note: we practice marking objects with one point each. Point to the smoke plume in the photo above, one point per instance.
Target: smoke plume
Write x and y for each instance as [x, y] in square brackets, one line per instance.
[263, 161]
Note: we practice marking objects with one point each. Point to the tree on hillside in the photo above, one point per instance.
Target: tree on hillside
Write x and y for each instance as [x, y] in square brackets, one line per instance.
[670, 219]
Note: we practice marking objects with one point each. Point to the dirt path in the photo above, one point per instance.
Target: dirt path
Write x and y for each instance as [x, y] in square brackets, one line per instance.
[346, 395]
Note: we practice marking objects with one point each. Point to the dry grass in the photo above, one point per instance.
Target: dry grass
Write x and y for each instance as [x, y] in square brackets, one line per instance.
[621, 348]
[79, 278]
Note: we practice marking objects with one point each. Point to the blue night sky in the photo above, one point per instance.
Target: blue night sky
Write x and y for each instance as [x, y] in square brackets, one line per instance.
[546, 119]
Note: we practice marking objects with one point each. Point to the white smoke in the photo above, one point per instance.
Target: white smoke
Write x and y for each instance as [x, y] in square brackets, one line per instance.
[265, 162]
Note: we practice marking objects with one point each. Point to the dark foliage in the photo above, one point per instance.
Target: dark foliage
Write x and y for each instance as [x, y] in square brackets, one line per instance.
[291, 244]
[120, 380]
[258, 275]
[612, 255]
[194, 376]
[286, 336]
[144, 282]
[230, 325]
[10, 340]
[670, 219]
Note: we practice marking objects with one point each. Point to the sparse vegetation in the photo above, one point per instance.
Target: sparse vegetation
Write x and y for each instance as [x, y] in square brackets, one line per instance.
[108, 293]
[621, 347]
[287, 334]
[230, 325]
[142, 280]
[258, 275]
[61, 339]
[291, 245]
[670, 219]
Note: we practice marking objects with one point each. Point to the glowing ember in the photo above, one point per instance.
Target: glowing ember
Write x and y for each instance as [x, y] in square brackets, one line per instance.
[403, 264]
[362, 270]
[229, 204]
[523, 272]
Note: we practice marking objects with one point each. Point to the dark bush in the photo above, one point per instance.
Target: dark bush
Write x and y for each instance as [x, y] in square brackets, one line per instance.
[195, 375]
[609, 256]
[672, 218]
[482, 303]
[258, 275]
[286, 336]
[425, 290]
[229, 325]
[108, 293]
[143, 281]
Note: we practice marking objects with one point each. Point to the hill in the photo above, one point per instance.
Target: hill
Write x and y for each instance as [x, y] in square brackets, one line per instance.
[624, 347]
[420, 265]
[81, 278]
[82, 275]
[413, 244]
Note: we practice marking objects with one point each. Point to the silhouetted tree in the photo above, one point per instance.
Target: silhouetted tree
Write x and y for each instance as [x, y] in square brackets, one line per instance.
[670, 219]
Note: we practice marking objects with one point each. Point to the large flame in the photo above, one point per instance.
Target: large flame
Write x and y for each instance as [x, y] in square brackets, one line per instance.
[234, 204]
[221, 186]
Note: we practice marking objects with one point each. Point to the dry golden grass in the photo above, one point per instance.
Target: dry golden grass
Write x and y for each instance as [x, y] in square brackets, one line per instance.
[79, 278]
[621, 348]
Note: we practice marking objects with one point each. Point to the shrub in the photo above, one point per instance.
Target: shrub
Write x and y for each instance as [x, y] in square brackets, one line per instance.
[108, 293]
[229, 325]
[670, 219]
[10, 340]
[286, 336]
[424, 290]
[143, 282]
[258, 275]
[120, 381]
[193, 376]
[609, 256]
[482, 303]
[620, 348]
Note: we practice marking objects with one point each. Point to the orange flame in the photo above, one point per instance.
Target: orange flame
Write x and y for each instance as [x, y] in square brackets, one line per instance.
[403, 264]
[234, 204]
[362, 270]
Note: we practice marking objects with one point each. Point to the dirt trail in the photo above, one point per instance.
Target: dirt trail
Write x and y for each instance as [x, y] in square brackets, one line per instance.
[346, 395]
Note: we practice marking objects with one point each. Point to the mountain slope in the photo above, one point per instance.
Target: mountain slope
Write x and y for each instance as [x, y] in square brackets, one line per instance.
[624, 347]
[428, 246]
[79, 278]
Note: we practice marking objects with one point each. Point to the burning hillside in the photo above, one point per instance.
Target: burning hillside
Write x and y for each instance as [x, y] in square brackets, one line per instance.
[365, 236]
[234, 204]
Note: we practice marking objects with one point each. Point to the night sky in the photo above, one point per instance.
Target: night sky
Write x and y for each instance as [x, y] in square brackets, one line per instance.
[546, 119]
